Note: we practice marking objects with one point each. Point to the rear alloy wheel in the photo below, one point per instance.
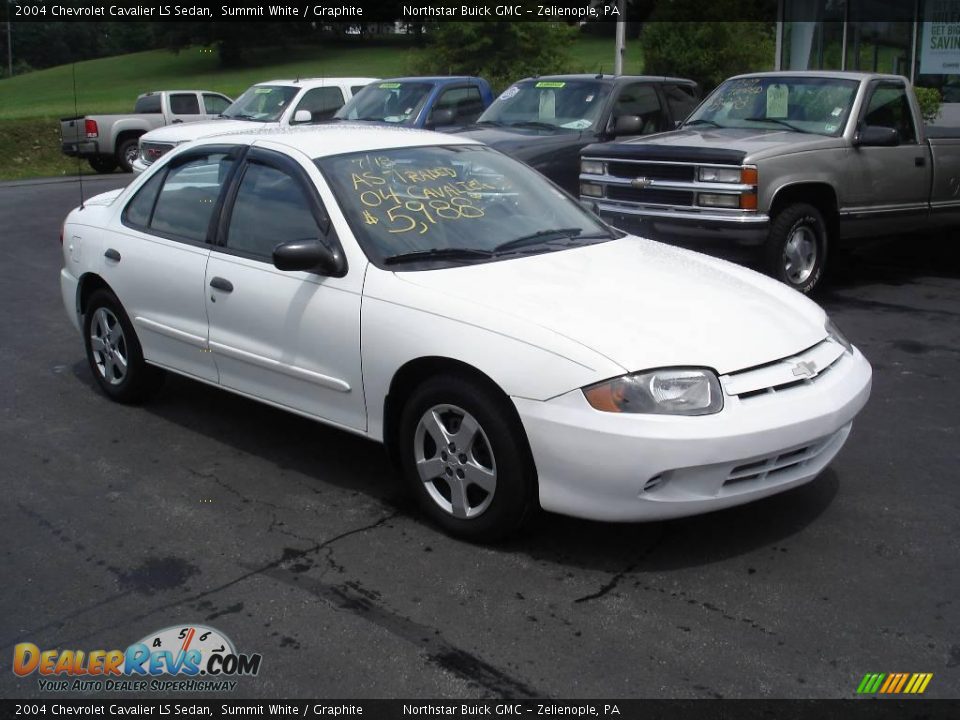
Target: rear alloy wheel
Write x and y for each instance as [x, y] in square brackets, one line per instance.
[127, 154]
[796, 251]
[113, 351]
[465, 460]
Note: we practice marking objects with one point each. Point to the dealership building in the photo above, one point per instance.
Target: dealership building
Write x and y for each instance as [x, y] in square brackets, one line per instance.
[916, 38]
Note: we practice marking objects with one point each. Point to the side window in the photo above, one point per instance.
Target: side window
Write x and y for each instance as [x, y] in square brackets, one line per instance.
[321, 102]
[889, 107]
[640, 99]
[184, 104]
[271, 207]
[681, 99]
[214, 104]
[354, 89]
[189, 194]
[466, 103]
[148, 104]
[138, 211]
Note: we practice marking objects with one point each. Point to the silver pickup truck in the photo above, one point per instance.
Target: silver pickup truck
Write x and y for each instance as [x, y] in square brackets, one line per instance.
[107, 141]
[795, 163]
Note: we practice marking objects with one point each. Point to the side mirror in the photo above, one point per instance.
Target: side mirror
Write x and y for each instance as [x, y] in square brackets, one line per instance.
[627, 125]
[302, 116]
[441, 116]
[876, 136]
[310, 255]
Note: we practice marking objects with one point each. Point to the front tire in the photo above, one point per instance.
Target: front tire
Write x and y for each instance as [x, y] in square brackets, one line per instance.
[796, 250]
[465, 458]
[114, 353]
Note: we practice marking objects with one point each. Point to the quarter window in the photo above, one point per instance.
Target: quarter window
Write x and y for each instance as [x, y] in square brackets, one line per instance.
[138, 211]
[189, 195]
[148, 104]
[271, 207]
[183, 104]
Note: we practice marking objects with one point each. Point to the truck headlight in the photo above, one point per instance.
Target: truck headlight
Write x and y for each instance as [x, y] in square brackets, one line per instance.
[833, 332]
[592, 167]
[719, 175]
[671, 391]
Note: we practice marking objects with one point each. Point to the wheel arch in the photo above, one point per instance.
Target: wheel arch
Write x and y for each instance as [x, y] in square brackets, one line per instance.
[821, 195]
[87, 285]
[413, 373]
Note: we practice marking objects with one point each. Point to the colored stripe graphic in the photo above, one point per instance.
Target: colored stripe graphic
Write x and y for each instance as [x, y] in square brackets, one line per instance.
[894, 683]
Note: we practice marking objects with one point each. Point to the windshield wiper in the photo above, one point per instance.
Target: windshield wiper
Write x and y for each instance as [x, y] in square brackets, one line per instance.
[439, 254]
[243, 116]
[538, 238]
[533, 124]
[704, 121]
[778, 121]
[495, 123]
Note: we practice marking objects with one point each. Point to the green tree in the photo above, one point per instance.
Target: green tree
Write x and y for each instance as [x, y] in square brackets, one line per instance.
[501, 52]
[706, 48]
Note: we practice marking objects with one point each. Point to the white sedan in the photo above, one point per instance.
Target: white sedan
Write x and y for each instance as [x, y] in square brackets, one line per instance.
[509, 348]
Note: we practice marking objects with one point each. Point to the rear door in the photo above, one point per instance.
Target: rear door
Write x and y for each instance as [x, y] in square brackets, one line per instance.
[184, 107]
[290, 338]
[214, 104]
[888, 187]
[155, 257]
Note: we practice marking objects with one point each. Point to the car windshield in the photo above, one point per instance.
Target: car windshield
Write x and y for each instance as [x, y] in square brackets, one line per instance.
[555, 104]
[262, 103]
[818, 105]
[392, 102]
[453, 204]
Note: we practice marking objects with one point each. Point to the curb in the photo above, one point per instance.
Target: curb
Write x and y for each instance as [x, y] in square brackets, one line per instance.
[65, 179]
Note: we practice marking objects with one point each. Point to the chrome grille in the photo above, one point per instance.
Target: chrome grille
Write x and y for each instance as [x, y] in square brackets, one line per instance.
[151, 152]
[653, 171]
[649, 195]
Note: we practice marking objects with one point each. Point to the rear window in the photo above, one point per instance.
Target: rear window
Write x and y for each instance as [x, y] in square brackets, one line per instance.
[148, 104]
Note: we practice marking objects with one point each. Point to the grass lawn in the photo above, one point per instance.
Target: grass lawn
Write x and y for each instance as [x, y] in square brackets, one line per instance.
[31, 104]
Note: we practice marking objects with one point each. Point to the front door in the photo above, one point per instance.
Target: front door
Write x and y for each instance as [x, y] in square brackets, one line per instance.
[289, 338]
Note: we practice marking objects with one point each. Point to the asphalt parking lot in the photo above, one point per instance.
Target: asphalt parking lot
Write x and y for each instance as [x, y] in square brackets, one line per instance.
[295, 541]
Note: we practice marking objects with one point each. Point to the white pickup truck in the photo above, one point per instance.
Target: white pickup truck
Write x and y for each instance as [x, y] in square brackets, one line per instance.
[276, 103]
[107, 141]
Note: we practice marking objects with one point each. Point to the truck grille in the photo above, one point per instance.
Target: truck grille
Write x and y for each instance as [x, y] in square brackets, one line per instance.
[653, 171]
[151, 152]
[652, 196]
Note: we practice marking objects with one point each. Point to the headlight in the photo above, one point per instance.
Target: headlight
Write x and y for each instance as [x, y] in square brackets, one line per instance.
[719, 175]
[591, 189]
[717, 200]
[674, 391]
[833, 332]
[591, 167]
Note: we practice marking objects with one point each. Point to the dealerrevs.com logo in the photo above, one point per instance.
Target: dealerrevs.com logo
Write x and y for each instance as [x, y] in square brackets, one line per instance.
[191, 658]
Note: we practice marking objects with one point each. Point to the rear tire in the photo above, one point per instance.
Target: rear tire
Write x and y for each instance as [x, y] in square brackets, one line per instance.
[127, 154]
[796, 249]
[102, 163]
[114, 353]
[465, 458]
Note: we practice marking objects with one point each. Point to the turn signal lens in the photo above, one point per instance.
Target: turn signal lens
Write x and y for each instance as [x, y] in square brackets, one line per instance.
[749, 175]
[748, 201]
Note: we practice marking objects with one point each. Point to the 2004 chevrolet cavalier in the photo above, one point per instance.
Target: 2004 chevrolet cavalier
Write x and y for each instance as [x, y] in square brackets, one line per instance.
[430, 293]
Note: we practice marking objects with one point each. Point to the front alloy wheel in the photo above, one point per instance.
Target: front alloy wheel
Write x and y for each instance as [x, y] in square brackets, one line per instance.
[454, 461]
[465, 456]
[108, 346]
[796, 249]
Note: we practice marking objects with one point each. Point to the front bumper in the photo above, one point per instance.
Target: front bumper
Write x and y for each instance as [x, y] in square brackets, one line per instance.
[679, 225]
[614, 467]
[68, 291]
[138, 166]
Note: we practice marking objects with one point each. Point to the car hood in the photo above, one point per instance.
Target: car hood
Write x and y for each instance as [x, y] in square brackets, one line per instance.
[640, 304]
[520, 143]
[707, 144]
[184, 132]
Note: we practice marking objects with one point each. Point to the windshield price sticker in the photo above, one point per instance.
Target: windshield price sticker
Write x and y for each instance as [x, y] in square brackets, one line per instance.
[777, 101]
[389, 86]
[406, 199]
[550, 84]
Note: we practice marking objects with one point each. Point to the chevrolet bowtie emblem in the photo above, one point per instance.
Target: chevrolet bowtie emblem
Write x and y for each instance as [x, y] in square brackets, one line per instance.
[805, 369]
[640, 182]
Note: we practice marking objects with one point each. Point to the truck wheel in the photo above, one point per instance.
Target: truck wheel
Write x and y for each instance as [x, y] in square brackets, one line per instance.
[796, 249]
[102, 163]
[127, 153]
[465, 460]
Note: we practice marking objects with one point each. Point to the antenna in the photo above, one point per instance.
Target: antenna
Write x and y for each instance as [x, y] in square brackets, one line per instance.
[76, 115]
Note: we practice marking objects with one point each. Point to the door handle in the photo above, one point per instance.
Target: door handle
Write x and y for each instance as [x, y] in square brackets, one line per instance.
[220, 283]
[920, 161]
[112, 254]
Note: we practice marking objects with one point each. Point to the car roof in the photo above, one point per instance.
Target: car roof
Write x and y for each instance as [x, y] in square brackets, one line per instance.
[840, 74]
[610, 78]
[430, 78]
[320, 82]
[338, 138]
